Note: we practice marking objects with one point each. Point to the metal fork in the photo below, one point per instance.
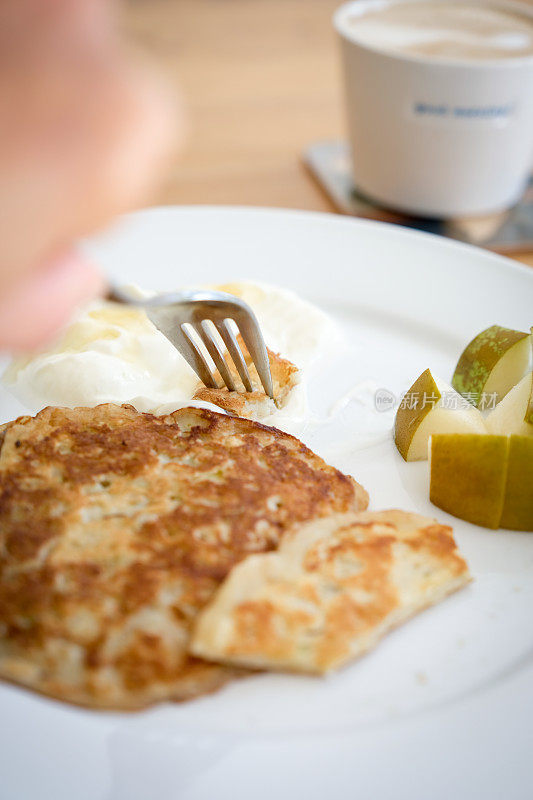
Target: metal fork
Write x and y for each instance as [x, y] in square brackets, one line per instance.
[173, 311]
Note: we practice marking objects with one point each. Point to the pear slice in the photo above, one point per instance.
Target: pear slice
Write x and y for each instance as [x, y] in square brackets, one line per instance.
[468, 476]
[493, 362]
[528, 417]
[511, 415]
[431, 406]
[518, 501]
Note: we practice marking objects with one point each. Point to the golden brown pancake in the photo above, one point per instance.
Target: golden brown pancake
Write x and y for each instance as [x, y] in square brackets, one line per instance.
[253, 405]
[117, 527]
[329, 593]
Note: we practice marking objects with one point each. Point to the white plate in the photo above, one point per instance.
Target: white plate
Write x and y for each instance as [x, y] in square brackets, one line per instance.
[443, 708]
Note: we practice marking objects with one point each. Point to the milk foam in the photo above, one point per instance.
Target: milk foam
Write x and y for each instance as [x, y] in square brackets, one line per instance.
[445, 30]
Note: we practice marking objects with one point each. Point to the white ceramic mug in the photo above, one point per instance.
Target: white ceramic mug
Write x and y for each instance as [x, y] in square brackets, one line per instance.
[432, 137]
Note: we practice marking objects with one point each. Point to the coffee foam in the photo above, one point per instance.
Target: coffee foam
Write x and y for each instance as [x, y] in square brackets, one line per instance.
[445, 30]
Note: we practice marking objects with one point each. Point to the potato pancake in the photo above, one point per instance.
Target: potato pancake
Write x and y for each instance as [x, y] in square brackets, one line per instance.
[116, 529]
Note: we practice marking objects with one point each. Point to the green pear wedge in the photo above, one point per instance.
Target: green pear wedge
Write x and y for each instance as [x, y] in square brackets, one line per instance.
[432, 406]
[528, 418]
[512, 413]
[492, 363]
[468, 475]
[518, 500]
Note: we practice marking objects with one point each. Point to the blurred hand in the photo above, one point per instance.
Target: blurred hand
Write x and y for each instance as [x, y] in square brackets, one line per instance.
[84, 130]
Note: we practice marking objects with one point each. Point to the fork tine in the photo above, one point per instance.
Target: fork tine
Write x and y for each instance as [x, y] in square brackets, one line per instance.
[215, 352]
[167, 311]
[228, 337]
[194, 356]
[251, 334]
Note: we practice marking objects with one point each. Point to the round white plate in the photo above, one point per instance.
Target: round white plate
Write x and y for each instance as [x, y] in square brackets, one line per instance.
[444, 706]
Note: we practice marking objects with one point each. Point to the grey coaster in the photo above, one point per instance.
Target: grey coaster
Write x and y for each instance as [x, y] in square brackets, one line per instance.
[510, 231]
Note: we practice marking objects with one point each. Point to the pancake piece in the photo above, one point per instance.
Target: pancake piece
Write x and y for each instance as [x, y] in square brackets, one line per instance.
[117, 527]
[257, 404]
[330, 592]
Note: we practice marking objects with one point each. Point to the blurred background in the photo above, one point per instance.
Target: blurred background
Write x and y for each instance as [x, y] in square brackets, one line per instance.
[260, 80]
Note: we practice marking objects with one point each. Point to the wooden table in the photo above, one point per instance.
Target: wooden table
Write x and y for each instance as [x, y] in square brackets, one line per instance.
[260, 80]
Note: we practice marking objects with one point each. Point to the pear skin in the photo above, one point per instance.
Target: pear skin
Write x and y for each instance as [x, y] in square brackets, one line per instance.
[408, 419]
[493, 362]
[518, 501]
[468, 476]
[528, 419]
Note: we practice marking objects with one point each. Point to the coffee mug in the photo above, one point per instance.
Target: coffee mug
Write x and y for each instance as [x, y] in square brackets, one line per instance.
[432, 137]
